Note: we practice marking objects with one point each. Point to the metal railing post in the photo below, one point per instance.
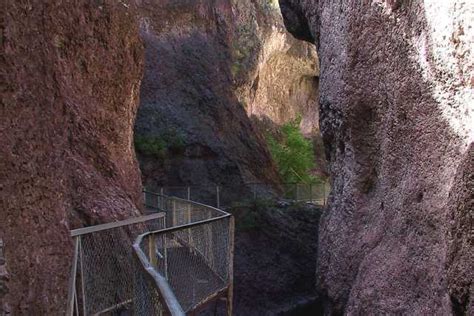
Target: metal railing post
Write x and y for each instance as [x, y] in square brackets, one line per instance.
[83, 283]
[210, 238]
[162, 199]
[165, 255]
[173, 215]
[72, 282]
[311, 193]
[230, 291]
[188, 217]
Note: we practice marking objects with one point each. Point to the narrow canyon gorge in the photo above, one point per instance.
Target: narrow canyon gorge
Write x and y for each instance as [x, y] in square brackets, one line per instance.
[218, 74]
[103, 98]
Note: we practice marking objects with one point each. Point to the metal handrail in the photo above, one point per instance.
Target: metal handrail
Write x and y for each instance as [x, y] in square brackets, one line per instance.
[167, 297]
[101, 227]
[189, 202]
[169, 300]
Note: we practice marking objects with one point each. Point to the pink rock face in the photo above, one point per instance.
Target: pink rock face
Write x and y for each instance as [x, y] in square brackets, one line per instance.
[188, 90]
[397, 119]
[72, 74]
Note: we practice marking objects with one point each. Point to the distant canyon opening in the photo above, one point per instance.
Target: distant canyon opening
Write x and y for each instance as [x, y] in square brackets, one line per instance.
[226, 89]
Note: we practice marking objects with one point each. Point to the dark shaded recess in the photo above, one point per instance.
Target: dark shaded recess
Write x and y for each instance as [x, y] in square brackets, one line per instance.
[461, 240]
[193, 95]
[295, 21]
[275, 259]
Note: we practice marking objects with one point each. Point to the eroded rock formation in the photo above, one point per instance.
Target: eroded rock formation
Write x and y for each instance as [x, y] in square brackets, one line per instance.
[276, 75]
[396, 100]
[210, 65]
[71, 75]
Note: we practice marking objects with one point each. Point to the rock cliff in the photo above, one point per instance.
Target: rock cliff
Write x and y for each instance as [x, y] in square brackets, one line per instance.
[71, 76]
[396, 97]
[275, 248]
[211, 66]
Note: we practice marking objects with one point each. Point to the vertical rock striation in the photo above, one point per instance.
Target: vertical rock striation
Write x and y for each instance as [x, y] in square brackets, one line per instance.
[210, 65]
[71, 74]
[396, 97]
[276, 75]
[187, 93]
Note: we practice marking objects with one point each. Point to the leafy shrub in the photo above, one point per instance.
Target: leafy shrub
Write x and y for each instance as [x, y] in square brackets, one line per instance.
[151, 146]
[160, 146]
[293, 154]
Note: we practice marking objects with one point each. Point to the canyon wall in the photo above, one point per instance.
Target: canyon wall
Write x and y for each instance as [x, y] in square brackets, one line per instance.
[71, 76]
[275, 75]
[208, 86]
[396, 97]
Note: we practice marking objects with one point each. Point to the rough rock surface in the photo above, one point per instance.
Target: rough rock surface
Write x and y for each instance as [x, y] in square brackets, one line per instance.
[276, 75]
[275, 251]
[396, 97]
[210, 65]
[71, 75]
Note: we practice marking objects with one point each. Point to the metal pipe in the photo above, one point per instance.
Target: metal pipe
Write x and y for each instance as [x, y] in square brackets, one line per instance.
[230, 292]
[72, 281]
[83, 284]
[97, 228]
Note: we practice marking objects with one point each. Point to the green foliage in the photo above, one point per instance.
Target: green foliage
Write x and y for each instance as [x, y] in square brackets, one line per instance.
[160, 146]
[294, 154]
[151, 146]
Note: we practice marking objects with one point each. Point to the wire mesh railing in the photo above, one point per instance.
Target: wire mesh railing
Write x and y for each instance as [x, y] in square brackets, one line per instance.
[225, 196]
[171, 262]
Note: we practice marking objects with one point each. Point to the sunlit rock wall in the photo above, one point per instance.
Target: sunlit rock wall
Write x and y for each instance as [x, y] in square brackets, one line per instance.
[276, 75]
[217, 74]
[396, 89]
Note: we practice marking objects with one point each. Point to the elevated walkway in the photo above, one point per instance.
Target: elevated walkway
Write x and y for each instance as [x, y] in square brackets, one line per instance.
[173, 261]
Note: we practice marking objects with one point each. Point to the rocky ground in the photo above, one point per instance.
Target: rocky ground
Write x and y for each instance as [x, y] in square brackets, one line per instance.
[275, 258]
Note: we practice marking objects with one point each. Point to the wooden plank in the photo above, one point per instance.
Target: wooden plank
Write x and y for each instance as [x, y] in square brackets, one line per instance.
[152, 250]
